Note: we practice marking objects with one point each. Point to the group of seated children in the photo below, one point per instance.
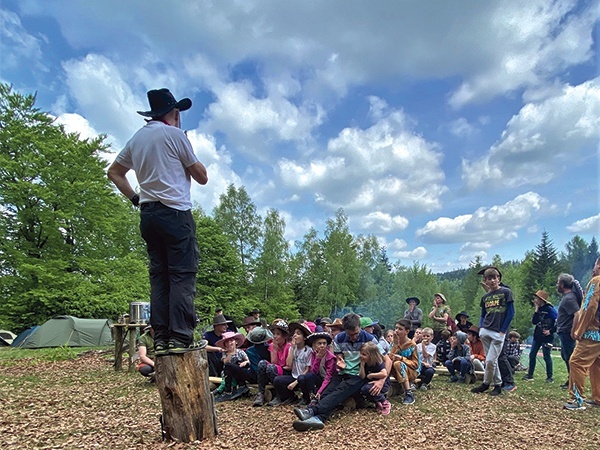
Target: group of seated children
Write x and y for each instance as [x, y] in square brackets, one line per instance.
[329, 367]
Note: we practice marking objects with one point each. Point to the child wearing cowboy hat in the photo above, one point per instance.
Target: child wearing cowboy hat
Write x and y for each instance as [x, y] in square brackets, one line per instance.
[298, 359]
[321, 370]
[232, 355]
[280, 348]
[414, 314]
[544, 319]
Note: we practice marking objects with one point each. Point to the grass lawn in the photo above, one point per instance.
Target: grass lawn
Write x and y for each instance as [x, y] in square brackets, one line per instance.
[59, 398]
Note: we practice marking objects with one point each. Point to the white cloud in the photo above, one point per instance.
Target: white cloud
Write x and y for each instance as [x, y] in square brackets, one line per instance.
[218, 166]
[542, 140]
[251, 123]
[487, 225]
[533, 41]
[17, 46]
[511, 44]
[462, 128]
[385, 168]
[74, 123]
[380, 222]
[103, 97]
[589, 225]
[415, 254]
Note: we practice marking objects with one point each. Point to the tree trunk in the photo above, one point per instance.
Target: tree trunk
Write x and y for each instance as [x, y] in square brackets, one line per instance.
[188, 412]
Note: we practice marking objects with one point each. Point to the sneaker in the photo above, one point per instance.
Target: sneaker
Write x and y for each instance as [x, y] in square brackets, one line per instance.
[564, 386]
[593, 403]
[177, 347]
[240, 392]
[259, 400]
[481, 388]
[462, 379]
[453, 379]
[312, 423]
[549, 380]
[424, 387]
[496, 391]
[509, 387]
[276, 401]
[409, 398]
[573, 406]
[161, 348]
[413, 387]
[386, 407]
[528, 377]
[303, 413]
[378, 406]
[224, 397]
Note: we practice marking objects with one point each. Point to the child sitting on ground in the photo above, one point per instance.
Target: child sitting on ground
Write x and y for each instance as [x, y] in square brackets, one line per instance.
[459, 358]
[321, 371]
[405, 359]
[372, 367]
[427, 354]
[442, 348]
[513, 351]
[298, 359]
[477, 350]
[267, 371]
[234, 356]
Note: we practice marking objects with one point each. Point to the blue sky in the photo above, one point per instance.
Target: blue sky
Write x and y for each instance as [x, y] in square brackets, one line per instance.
[446, 129]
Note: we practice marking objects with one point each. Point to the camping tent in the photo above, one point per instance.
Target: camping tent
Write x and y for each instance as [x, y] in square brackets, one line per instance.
[70, 331]
[23, 336]
[6, 337]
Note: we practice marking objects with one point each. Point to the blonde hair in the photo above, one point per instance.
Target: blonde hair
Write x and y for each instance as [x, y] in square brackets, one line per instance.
[373, 351]
[427, 330]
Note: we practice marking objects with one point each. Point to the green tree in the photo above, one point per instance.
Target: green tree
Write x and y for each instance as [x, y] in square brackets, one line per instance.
[542, 268]
[63, 229]
[271, 281]
[221, 278]
[237, 216]
[308, 275]
[341, 267]
[577, 256]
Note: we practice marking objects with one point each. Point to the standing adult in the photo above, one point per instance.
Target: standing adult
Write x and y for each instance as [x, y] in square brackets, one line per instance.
[568, 306]
[544, 319]
[414, 314]
[586, 356]
[214, 352]
[164, 163]
[439, 316]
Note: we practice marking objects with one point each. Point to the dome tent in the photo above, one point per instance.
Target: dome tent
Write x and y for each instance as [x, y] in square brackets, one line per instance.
[70, 331]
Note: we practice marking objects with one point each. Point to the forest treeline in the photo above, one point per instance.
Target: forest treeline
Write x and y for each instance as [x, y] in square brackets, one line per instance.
[70, 244]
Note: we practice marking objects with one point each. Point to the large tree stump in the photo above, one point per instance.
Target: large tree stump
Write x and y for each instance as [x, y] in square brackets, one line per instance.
[188, 412]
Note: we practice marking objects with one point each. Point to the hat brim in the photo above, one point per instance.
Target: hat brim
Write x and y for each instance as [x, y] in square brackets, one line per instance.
[267, 338]
[182, 105]
[310, 340]
[239, 340]
[298, 326]
[409, 299]
[541, 298]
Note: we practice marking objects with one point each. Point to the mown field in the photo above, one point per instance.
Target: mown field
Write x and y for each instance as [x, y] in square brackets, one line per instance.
[59, 398]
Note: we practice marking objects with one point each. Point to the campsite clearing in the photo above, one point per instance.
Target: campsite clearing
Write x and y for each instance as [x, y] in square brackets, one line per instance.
[51, 401]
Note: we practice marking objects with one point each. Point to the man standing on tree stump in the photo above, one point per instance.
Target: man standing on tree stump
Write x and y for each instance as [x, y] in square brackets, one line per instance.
[164, 162]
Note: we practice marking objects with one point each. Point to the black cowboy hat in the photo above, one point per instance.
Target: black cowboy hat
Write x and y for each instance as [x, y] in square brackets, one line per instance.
[462, 313]
[162, 101]
[318, 335]
[413, 298]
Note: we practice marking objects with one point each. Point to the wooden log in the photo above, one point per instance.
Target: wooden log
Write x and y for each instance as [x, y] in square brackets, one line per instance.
[188, 412]
[118, 335]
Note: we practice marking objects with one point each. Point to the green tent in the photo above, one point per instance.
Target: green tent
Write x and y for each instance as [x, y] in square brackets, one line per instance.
[71, 331]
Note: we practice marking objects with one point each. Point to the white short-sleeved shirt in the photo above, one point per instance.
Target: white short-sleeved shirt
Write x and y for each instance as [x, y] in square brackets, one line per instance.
[159, 154]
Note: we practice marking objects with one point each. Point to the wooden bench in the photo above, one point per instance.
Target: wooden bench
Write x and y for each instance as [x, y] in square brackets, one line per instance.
[444, 371]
